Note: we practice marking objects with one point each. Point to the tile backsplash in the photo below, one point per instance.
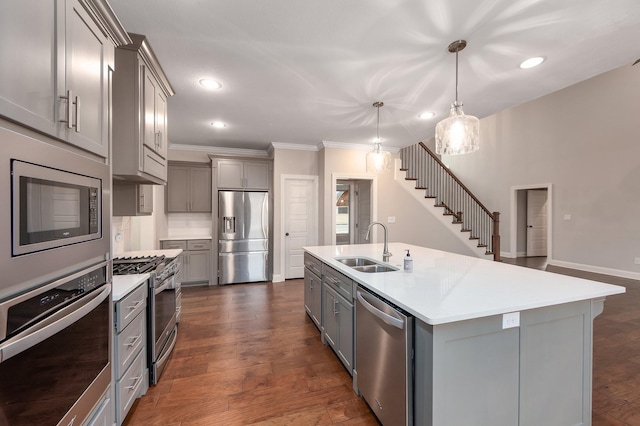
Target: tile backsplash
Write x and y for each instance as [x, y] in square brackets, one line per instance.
[189, 225]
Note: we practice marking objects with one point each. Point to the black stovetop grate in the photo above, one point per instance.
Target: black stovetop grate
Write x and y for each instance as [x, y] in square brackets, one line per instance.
[136, 265]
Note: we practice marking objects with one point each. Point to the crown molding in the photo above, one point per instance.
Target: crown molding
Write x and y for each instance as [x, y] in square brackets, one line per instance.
[294, 146]
[357, 146]
[215, 150]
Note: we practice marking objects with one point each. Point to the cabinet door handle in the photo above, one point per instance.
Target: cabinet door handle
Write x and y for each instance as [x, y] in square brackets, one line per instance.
[77, 104]
[159, 139]
[69, 109]
[336, 311]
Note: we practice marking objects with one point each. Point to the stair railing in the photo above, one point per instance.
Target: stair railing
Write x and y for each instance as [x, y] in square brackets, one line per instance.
[439, 183]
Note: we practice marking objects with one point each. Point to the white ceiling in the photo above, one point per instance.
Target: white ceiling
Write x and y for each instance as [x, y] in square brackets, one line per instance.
[307, 71]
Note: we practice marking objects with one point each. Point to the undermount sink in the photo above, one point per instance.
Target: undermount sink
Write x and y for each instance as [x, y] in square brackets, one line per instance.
[364, 264]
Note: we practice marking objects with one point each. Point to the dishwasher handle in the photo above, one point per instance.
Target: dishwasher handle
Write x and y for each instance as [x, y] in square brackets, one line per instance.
[383, 316]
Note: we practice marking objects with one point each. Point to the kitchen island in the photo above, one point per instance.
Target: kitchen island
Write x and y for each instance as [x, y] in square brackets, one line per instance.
[494, 344]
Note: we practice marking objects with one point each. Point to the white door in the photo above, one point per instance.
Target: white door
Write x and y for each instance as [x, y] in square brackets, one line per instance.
[537, 222]
[300, 222]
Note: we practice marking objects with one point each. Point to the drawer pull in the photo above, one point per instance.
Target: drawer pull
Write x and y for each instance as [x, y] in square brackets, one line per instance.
[134, 341]
[135, 382]
[135, 305]
[333, 280]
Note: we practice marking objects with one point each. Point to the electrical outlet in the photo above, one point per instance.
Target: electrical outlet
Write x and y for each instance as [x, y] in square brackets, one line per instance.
[567, 217]
[391, 219]
[510, 320]
[636, 260]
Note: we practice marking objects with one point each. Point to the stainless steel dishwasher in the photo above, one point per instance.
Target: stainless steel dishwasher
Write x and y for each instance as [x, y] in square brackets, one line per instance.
[384, 358]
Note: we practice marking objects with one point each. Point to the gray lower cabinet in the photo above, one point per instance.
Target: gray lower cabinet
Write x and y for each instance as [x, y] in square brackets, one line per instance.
[338, 325]
[130, 360]
[196, 259]
[313, 289]
[337, 314]
[537, 374]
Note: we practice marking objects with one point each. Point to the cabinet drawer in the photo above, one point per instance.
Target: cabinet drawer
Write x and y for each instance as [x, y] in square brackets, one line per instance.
[129, 387]
[129, 343]
[173, 244]
[341, 283]
[198, 244]
[130, 306]
[313, 264]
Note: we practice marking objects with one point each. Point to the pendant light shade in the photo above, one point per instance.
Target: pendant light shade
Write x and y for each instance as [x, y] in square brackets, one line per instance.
[378, 161]
[458, 133]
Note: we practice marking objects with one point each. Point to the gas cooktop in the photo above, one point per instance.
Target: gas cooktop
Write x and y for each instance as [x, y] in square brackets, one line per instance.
[137, 265]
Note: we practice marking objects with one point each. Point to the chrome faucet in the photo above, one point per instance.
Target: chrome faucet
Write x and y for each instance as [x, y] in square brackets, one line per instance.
[385, 251]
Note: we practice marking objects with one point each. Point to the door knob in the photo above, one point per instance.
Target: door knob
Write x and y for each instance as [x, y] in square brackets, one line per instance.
[286, 235]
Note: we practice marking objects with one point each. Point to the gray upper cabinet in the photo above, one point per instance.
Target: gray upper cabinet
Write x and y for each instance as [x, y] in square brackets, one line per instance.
[188, 188]
[132, 199]
[56, 71]
[140, 93]
[234, 174]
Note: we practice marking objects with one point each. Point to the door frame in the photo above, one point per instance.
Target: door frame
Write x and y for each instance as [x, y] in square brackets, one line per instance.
[514, 218]
[283, 203]
[335, 177]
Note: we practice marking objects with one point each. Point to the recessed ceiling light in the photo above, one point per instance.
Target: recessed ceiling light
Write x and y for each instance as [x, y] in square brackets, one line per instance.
[218, 124]
[210, 84]
[532, 62]
[426, 115]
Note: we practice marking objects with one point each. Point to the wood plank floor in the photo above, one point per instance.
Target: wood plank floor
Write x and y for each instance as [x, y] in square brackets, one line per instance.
[248, 354]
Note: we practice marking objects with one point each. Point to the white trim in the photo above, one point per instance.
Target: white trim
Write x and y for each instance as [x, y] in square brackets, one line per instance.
[513, 240]
[357, 146]
[294, 146]
[215, 150]
[596, 269]
[314, 212]
[335, 177]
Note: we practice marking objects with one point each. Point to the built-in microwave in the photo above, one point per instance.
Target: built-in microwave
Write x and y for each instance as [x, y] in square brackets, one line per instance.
[52, 208]
[54, 211]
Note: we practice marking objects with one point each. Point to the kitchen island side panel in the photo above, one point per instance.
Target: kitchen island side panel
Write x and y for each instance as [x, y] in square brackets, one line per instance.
[475, 372]
[472, 370]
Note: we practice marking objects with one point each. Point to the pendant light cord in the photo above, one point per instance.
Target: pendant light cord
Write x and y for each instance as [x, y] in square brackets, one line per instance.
[456, 104]
[378, 126]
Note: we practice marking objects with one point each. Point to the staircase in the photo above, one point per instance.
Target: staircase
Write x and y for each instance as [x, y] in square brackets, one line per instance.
[452, 198]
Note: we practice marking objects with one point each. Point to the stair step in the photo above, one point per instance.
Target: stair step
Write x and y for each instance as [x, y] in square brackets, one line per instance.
[429, 196]
[465, 230]
[457, 222]
[474, 238]
[403, 169]
[482, 245]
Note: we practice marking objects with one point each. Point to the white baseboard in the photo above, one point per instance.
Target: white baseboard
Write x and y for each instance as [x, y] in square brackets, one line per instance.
[277, 278]
[596, 269]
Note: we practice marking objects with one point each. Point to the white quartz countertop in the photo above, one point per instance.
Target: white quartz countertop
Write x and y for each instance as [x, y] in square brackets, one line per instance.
[191, 237]
[446, 287]
[125, 284]
[170, 253]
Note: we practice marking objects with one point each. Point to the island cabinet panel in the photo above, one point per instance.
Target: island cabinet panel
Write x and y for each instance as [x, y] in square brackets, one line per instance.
[555, 365]
[476, 372]
[313, 289]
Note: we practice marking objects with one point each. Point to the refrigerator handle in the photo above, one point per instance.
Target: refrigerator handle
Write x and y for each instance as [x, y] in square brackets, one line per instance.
[229, 224]
[265, 216]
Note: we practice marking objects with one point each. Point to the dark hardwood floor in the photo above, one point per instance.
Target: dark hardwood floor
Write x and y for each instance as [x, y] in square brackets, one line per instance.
[248, 354]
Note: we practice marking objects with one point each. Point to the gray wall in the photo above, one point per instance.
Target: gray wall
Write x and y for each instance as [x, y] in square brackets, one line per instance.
[584, 141]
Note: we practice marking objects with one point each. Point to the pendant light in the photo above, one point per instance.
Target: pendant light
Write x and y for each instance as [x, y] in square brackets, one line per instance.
[378, 161]
[458, 133]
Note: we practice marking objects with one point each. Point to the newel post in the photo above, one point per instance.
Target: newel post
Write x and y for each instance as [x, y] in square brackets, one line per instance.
[495, 237]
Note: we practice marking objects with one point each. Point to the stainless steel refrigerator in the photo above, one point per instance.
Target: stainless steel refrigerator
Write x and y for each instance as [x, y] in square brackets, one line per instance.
[243, 236]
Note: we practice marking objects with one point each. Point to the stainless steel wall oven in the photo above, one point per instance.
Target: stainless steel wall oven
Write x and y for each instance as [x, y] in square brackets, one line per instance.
[55, 349]
[55, 216]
